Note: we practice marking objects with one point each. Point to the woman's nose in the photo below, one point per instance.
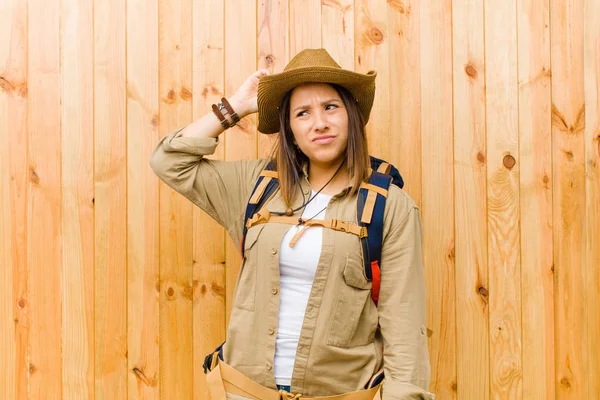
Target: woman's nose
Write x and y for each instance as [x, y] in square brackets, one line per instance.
[321, 123]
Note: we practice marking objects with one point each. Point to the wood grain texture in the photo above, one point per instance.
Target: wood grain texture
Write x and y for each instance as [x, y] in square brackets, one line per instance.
[535, 147]
[110, 198]
[470, 182]
[568, 153]
[240, 141]
[506, 371]
[372, 53]
[305, 25]
[438, 192]
[591, 233]
[77, 134]
[14, 300]
[44, 217]
[176, 234]
[143, 284]
[337, 32]
[209, 238]
[273, 41]
[404, 43]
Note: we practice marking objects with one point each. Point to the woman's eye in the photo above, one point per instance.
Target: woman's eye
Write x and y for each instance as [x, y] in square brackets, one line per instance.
[300, 114]
[330, 105]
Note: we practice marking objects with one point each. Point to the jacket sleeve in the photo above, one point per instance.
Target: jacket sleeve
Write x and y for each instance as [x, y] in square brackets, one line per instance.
[401, 307]
[220, 188]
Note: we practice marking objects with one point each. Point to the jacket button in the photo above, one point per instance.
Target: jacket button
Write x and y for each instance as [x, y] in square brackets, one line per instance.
[271, 331]
[274, 290]
[269, 366]
[273, 251]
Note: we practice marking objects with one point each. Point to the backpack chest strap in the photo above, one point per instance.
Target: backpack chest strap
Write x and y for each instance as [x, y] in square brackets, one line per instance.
[264, 216]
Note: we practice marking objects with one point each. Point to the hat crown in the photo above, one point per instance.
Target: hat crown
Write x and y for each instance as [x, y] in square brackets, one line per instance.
[312, 58]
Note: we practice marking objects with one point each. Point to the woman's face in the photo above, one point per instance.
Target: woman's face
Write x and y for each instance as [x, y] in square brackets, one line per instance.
[319, 122]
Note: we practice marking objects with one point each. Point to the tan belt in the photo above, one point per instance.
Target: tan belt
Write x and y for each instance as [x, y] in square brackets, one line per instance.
[224, 379]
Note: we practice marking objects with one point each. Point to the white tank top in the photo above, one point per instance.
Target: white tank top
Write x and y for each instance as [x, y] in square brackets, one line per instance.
[297, 267]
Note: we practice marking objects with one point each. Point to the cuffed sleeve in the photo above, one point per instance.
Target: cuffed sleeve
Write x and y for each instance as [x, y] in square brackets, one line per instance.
[220, 188]
[402, 311]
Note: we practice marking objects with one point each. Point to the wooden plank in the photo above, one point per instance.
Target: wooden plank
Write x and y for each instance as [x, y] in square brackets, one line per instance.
[44, 200]
[470, 181]
[240, 141]
[404, 43]
[209, 237]
[371, 53]
[110, 187]
[535, 147]
[77, 272]
[438, 192]
[337, 21]
[175, 84]
[305, 25]
[568, 151]
[503, 199]
[14, 371]
[143, 284]
[273, 50]
[591, 252]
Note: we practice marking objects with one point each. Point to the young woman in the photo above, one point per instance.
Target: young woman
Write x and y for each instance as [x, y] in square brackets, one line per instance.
[303, 323]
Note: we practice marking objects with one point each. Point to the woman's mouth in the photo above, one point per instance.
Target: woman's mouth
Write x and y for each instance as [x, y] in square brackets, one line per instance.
[324, 139]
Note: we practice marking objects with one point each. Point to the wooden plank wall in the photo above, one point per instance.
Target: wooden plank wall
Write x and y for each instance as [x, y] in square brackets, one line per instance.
[113, 286]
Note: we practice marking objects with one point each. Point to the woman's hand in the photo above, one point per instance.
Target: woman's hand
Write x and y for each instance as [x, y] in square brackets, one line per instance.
[244, 101]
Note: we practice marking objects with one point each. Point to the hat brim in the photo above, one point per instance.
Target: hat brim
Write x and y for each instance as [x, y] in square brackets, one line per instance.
[273, 88]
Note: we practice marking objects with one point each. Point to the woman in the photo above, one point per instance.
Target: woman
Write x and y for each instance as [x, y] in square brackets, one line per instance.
[303, 321]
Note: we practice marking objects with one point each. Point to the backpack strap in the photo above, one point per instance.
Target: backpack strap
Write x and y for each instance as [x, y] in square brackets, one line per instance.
[266, 184]
[370, 212]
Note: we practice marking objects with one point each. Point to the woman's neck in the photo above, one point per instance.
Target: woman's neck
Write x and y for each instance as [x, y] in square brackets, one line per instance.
[319, 174]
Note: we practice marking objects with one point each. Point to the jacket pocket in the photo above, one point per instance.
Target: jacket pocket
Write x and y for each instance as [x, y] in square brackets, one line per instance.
[245, 289]
[352, 308]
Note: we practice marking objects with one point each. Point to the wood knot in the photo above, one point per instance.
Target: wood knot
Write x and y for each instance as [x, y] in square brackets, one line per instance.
[154, 121]
[482, 291]
[21, 303]
[203, 290]
[93, 200]
[186, 94]
[471, 71]
[568, 155]
[188, 292]
[32, 368]
[454, 387]
[33, 176]
[429, 333]
[157, 286]
[480, 157]
[6, 85]
[177, 47]
[545, 179]
[565, 382]
[269, 60]
[451, 254]
[218, 290]
[23, 91]
[170, 292]
[376, 35]
[170, 99]
[509, 161]
[398, 5]
[141, 377]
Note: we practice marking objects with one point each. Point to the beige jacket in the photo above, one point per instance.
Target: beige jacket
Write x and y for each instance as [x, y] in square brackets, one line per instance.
[340, 345]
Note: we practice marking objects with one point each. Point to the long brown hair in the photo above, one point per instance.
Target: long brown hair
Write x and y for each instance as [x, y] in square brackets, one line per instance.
[289, 159]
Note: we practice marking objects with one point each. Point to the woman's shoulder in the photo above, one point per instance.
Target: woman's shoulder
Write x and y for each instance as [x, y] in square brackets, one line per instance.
[398, 204]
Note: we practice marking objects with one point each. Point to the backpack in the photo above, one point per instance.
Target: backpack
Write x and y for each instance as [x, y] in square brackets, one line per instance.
[370, 210]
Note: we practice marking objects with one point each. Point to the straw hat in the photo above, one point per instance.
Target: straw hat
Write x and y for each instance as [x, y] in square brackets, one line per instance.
[310, 65]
